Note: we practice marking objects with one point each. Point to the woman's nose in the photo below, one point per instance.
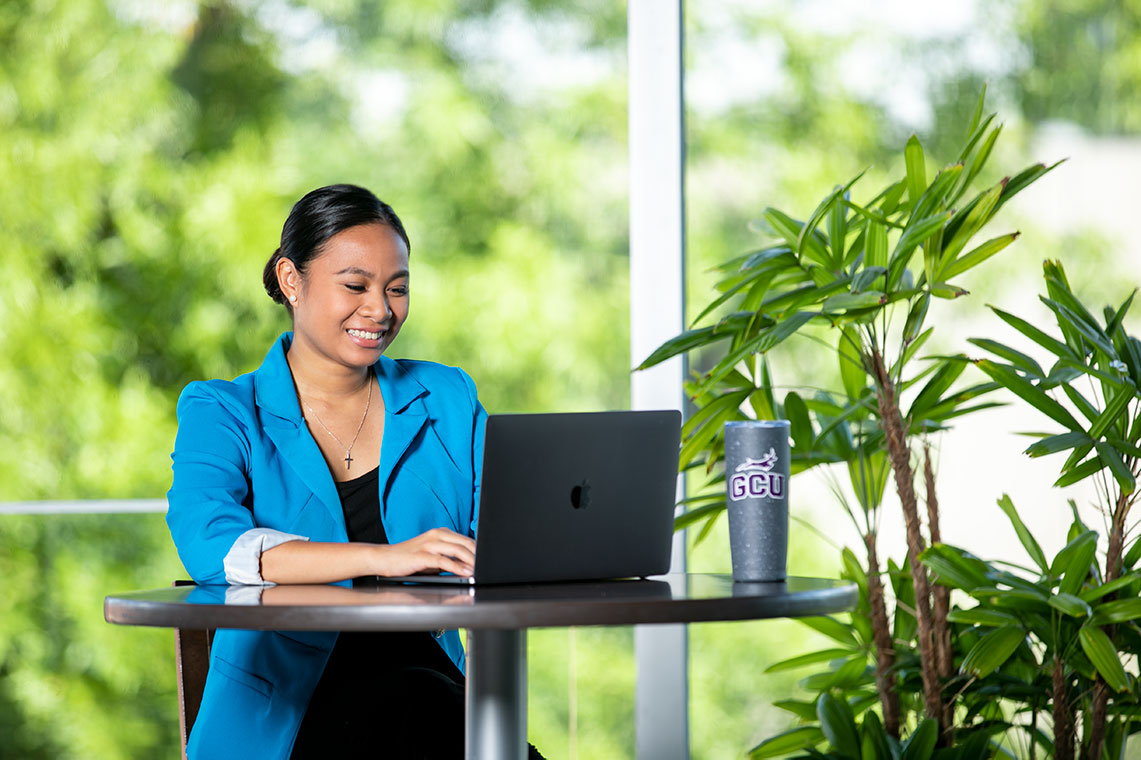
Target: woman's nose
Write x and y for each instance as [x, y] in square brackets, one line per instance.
[377, 307]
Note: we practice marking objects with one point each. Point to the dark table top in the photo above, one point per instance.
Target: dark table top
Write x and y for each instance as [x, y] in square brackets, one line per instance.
[378, 606]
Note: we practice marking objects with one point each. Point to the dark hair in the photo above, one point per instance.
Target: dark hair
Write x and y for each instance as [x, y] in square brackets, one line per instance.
[319, 216]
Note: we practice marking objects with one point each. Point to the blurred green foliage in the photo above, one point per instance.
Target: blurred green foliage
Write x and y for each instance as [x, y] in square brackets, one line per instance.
[151, 151]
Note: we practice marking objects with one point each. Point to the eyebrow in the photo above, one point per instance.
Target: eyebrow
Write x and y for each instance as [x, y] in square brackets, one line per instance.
[366, 273]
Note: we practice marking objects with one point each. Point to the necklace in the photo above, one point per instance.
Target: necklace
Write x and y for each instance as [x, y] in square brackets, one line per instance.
[348, 449]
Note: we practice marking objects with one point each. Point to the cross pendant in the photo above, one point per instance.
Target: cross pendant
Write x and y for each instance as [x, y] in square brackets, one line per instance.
[348, 460]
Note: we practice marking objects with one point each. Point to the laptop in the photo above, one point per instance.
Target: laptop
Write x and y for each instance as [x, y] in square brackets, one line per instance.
[573, 497]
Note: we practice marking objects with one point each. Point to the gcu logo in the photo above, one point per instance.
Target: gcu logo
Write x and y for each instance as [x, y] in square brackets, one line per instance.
[753, 479]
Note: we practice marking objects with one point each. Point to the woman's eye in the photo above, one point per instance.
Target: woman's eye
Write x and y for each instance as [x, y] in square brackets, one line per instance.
[399, 291]
[355, 288]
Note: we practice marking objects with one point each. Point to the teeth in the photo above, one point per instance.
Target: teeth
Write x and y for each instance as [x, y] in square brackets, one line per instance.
[364, 334]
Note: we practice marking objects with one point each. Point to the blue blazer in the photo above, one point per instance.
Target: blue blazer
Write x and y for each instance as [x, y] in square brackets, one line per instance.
[244, 458]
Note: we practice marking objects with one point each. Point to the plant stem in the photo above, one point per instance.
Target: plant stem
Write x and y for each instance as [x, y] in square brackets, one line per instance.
[900, 456]
[1063, 721]
[881, 635]
[941, 595]
[1099, 703]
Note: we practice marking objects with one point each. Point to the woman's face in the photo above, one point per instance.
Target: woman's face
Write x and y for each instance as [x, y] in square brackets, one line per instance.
[353, 299]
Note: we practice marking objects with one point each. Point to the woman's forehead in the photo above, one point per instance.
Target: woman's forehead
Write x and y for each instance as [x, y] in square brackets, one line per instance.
[367, 250]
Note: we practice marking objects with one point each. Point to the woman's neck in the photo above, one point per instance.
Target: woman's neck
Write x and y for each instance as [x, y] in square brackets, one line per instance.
[318, 377]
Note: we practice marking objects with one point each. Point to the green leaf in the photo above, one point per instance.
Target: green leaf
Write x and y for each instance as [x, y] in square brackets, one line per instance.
[1024, 179]
[915, 317]
[1097, 592]
[789, 229]
[800, 708]
[1052, 444]
[1024, 535]
[852, 372]
[812, 658]
[787, 742]
[948, 292]
[1113, 409]
[976, 256]
[916, 170]
[914, 234]
[764, 341]
[1029, 393]
[992, 650]
[921, 744]
[692, 516]
[818, 215]
[873, 739]
[1053, 345]
[848, 301]
[687, 341]
[838, 725]
[948, 372]
[968, 222]
[731, 400]
[1101, 652]
[1072, 563]
[980, 615]
[838, 230]
[1017, 358]
[800, 424]
[1133, 554]
[1069, 320]
[865, 277]
[875, 254]
[934, 198]
[831, 628]
[1081, 472]
[955, 567]
[709, 429]
[975, 119]
[1117, 611]
[1071, 605]
[1121, 472]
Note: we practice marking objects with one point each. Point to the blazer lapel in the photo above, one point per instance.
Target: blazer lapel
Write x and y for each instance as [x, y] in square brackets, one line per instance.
[404, 417]
[283, 424]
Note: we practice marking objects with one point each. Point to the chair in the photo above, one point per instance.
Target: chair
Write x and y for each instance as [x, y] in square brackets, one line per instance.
[192, 660]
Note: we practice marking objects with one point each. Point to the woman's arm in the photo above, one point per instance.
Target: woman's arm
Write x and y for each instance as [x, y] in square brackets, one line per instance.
[438, 550]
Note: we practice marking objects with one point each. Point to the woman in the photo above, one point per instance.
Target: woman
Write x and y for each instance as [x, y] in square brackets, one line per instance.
[330, 462]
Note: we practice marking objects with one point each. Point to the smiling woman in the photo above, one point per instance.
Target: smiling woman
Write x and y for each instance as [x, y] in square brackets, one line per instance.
[331, 462]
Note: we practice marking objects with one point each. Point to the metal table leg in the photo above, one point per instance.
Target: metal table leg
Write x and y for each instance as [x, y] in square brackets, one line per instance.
[496, 697]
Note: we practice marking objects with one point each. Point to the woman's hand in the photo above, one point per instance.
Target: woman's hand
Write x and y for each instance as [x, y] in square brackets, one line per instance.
[438, 550]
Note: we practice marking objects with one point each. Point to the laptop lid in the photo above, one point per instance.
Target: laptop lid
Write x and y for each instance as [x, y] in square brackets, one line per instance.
[580, 496]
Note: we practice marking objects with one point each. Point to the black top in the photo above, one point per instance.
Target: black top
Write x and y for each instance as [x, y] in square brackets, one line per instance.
[378, 689]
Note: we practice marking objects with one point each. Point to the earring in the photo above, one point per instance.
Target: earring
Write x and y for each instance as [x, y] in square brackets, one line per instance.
[293, 299]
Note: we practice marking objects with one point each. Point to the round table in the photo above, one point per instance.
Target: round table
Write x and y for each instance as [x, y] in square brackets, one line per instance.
[496, 619]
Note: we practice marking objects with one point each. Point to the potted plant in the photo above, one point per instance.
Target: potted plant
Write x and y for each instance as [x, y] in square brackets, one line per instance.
[858, 278]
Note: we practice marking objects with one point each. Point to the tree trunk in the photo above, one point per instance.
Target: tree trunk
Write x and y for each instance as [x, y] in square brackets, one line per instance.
[900, 457]
[940, 597]
[1063, 722]
[1099, 704]
[881, 636]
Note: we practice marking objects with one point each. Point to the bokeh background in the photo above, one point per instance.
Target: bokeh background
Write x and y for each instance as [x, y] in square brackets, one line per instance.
[149, 153]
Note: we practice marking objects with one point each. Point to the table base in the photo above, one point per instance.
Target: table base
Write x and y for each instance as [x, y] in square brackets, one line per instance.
[496, 695]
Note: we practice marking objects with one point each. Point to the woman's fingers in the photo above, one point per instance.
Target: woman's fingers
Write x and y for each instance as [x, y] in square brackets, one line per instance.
[438, 550]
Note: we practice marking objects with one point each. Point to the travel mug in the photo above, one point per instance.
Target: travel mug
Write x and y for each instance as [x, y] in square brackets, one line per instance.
[756, 485]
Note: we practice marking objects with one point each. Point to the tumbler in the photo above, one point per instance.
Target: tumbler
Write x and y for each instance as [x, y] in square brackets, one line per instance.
[756, 485]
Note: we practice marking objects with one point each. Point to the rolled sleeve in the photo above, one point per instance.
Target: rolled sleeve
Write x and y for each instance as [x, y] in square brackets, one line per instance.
[243, 562]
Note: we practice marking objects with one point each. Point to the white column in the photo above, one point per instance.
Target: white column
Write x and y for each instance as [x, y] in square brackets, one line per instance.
[657, 313]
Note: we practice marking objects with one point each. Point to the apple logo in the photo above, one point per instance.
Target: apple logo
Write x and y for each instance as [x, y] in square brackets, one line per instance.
[580, 495]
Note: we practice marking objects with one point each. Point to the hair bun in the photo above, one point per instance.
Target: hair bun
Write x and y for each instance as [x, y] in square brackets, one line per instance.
[269, 278]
